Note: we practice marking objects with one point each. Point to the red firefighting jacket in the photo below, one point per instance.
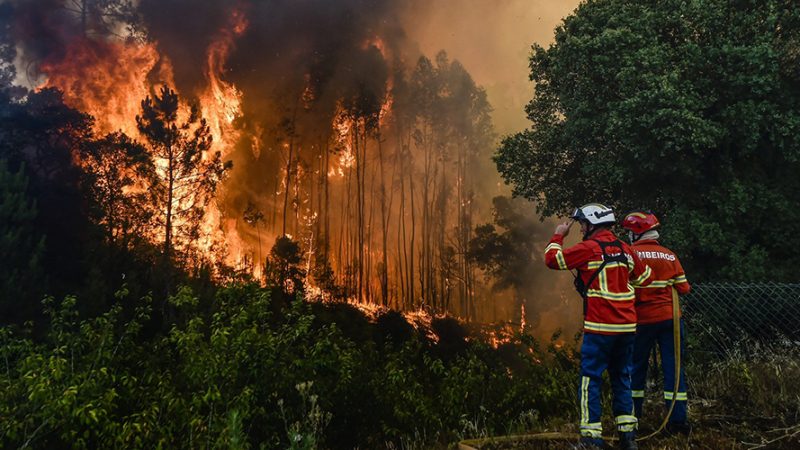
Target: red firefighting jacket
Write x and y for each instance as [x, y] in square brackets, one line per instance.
[654, 302]
[610, 296]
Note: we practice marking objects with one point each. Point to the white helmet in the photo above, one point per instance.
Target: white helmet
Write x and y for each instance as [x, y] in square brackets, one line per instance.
[594, 214]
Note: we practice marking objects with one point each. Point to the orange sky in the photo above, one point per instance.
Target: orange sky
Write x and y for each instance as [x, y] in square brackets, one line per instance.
[492, 39]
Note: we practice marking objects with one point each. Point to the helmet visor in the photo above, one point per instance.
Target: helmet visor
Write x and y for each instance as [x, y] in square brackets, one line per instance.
[578, 214]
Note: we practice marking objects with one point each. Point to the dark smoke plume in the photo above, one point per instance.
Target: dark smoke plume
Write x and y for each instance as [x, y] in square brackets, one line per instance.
[297, 64]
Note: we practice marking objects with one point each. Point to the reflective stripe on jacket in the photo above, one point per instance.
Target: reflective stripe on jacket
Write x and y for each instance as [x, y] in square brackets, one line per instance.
[654, 302]
[610, 297]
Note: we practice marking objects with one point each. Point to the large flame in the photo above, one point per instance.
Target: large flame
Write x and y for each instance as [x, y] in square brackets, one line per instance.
[221, 102]
[365, 169]
[343, 127]
[221, 106]
[109, 79]
[105, 78]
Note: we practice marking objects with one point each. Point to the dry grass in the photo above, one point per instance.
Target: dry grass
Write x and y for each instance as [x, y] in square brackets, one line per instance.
[747, 400]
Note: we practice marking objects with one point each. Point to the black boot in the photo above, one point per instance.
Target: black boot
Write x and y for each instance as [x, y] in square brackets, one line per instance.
[627, 441]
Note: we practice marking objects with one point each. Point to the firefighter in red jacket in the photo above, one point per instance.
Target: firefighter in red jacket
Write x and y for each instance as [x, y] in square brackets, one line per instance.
[654, 313]
[608, 271]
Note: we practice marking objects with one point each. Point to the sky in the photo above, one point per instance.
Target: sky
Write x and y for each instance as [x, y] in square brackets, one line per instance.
[492, 39]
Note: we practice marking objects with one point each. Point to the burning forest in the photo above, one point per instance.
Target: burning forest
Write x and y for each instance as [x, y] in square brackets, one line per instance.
[329, 224]
[304, 144]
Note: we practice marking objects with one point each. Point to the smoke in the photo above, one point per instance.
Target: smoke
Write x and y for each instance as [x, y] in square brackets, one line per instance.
[284, 41]
[277, 77]
[493, 40]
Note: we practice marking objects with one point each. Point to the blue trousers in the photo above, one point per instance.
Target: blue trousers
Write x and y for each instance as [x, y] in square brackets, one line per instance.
[648, 336]
[599, 353]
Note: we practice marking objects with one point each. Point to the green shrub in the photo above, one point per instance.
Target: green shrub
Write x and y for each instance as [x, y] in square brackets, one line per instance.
[245, 375]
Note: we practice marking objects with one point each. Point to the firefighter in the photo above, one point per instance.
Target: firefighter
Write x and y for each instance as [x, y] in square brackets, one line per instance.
[654, 313]
[607, 270]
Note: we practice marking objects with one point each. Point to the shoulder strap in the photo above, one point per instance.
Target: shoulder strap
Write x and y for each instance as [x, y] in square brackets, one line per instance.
[583, 288]
[620, 257]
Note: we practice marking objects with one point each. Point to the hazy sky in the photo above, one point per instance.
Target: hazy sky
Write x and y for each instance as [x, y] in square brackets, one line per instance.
[492, 39]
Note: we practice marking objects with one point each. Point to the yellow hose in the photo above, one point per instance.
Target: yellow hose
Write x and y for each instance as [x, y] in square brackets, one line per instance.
[676, 342]
[474, 444]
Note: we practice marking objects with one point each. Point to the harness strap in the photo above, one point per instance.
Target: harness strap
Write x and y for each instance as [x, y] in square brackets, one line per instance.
[583, 288]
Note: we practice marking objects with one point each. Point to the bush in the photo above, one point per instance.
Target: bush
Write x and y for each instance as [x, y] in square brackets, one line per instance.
[241, 375]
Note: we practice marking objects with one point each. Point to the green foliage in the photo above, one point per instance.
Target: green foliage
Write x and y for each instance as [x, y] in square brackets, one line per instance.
[688, 108]
[505, 254]
[752, 394]
[118, 171]
[284, 266]
[22, 249]
[242, 376]
[306, 434]
[40, 135]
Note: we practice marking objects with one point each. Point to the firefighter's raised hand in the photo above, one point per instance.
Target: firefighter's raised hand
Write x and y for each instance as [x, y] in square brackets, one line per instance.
[563, 228]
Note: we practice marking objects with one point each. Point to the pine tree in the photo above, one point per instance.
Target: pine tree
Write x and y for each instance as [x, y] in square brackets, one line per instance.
[189, 172]
[118, 174]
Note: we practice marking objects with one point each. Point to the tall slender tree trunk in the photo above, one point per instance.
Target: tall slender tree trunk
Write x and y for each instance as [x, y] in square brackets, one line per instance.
[391, 291]
[384, 228]
[288, 186]
[170, 195]
[327, 226]
[345, 227]
[444, 258]
[401, 229]
[368, 248]
[275, 202]
[411, 288]
[297, 195]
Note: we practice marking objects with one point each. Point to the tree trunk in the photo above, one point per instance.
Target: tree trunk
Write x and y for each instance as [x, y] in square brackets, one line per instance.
[412, 301]
[384, 228]
[170, 194]
[288, 185]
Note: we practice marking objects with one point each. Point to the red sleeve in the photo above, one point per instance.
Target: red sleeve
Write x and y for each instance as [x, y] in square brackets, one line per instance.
[641, 274]
[679, 280]
[565, 259]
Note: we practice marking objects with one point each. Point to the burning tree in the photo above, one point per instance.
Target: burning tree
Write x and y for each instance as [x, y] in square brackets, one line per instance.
[254, 217]
[445, 130]
[284, 266]
[374, 165]
[188, 172]
[119, 172]
[361, 113]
